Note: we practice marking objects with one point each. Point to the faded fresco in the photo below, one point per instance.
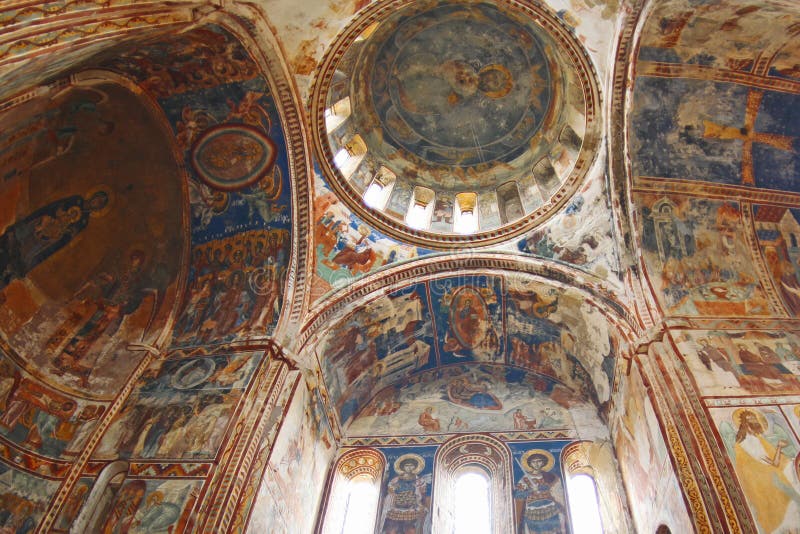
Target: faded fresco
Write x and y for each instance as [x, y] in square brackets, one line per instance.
[227, 127]
[646, 468]
[539, 501]
[715, 132]
[698, 262]
[387, 341]
[580, 235]
[180, 408]
[763, 451]
[778, 232]
[467, 398]
[146, 506]
[298, 464]
[723, 34]
[407, 490]
[41, 419]
[345, 248]
[77, 497]
[91, 235]
[23, 499]
[748, 362]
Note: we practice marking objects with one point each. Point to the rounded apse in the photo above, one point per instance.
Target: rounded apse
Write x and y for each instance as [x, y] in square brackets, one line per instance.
[455, 124]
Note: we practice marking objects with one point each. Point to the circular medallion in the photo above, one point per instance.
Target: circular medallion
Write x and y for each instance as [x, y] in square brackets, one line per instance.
[232, 156]
[453, 123]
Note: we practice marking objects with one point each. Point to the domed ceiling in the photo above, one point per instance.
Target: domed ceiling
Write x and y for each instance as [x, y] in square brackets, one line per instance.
[453, 124]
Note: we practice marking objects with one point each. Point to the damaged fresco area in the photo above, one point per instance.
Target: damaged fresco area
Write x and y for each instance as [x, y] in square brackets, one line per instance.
[454, 321]
[698, 262]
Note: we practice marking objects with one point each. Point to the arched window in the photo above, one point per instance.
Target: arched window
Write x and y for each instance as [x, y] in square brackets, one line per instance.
[472, 467]
[472, 505]
[582, 497]
[352, 504]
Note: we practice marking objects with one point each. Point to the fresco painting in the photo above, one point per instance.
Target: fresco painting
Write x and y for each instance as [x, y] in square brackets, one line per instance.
[468, 315]
[539, 501]
[180, 408]
[382, 341]
[407, 490]
[78, 495]
[716, 132]
[41, 419]
[89, 253]
[778, 231]
[647, 470]
[467, 398]
[298, 464]
[388, 344]
[698, 262]
[723, 34]
[23, 498]
[748, 362]
[763, 450]
[227, 127]
[145, 506]
[345, 247]
[579, 235]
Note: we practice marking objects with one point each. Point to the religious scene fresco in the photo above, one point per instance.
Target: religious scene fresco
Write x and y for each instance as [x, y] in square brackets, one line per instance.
[298, 464]
[41, 419]
[144, 506]
[407, 490]
[78, 495]
[697, 259]
[778, 231]
[23, 498]
[579, 235]
[385, 342]
[747, 362]
[763, 451]
[539, 501]
[89, 254]
[228, 131]
[180, 408]
[467, 398]
[346, 248]
[716, 132]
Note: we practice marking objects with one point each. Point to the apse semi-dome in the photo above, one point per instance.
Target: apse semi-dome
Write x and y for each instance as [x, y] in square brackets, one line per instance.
[450, 124]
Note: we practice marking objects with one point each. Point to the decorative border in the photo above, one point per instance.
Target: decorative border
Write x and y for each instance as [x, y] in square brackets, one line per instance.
[584, 70]
[401, 441]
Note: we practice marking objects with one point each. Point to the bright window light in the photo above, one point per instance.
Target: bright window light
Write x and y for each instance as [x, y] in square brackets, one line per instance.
[584, 510]
[417, 217]
[341, 157]
[473, 504]
[466, 223]
[374, 196]
[360, 509]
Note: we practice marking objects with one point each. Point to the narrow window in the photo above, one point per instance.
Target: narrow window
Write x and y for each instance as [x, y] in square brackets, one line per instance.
[473, 506]
[360, 506]
[352, 505]
[584, 509]
[466, 220]
[421, 208]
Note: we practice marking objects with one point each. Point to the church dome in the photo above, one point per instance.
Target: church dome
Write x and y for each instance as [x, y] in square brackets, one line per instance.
[454, 124]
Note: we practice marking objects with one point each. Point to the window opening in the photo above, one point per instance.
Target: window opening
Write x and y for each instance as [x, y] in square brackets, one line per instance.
[473, 506]
[584, 509]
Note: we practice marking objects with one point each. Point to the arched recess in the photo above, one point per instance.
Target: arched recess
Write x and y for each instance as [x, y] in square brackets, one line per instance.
[362, 466]
[410, 310]
[97, 505]
[493, 458]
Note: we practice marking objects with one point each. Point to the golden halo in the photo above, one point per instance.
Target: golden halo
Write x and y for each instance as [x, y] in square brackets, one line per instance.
[546, 467]
[410, 456]
[502, 90]
[797, 410]
[109, 195]
[738, 412]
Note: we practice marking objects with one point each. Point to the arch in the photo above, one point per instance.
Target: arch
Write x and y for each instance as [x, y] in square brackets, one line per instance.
[480, 451]
[355, 470]
[100, 498]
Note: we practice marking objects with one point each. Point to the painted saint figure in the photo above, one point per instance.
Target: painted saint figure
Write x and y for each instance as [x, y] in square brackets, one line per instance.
[27, 243]
[407, 506]
[539, 496]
